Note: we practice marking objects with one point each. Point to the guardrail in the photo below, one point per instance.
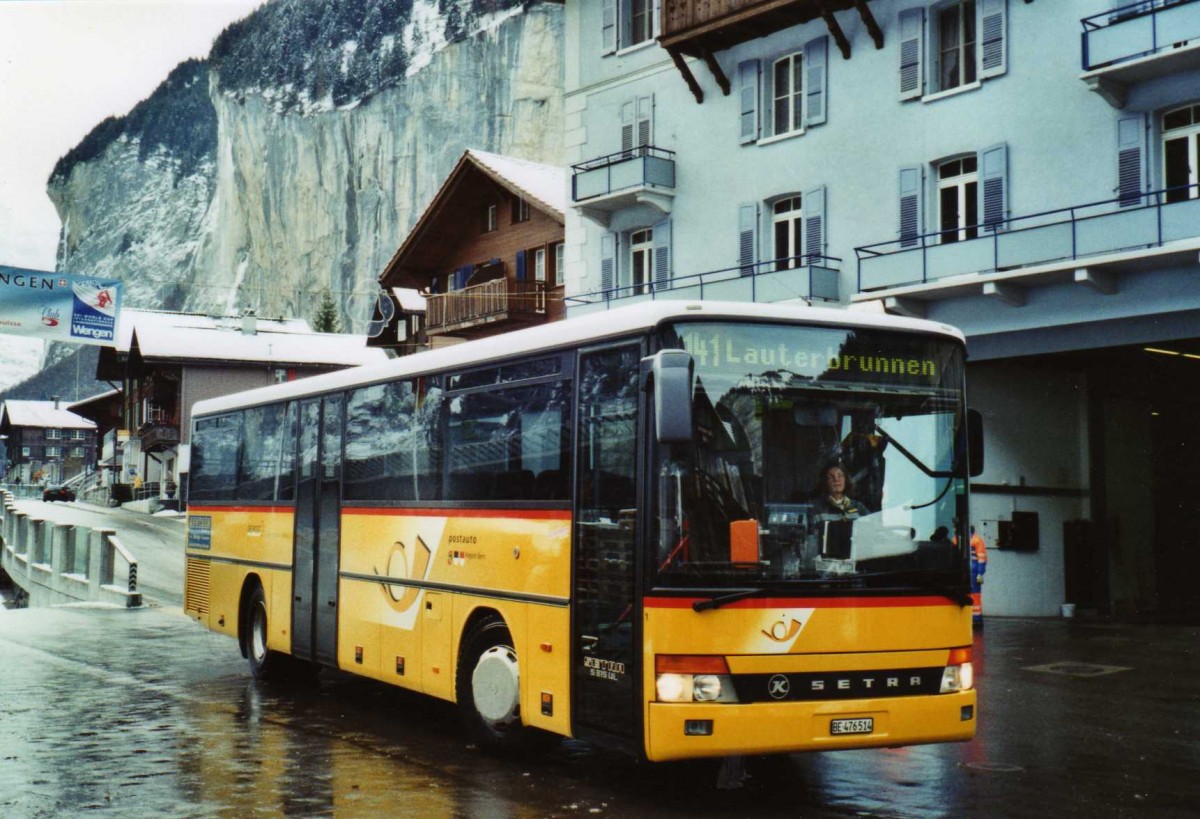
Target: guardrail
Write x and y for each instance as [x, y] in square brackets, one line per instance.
[54, 563]
[1138, 29]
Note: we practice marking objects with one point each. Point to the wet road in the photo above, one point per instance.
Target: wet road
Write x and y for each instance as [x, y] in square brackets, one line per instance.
[112, 712]
[143, 713]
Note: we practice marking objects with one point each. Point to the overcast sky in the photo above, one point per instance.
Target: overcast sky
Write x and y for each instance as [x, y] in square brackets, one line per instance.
[64, 66]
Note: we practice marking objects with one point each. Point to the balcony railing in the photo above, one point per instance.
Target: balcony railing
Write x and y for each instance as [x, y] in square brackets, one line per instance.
[1138, 30]
[492, 301]
[641, 167]
[808, 277]
[157, 437]
[1093, 229]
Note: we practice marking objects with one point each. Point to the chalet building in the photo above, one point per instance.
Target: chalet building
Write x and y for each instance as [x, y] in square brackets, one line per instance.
[166, 362]
[484, 258]
[104, 410]
[1026, 170]
[44, 442]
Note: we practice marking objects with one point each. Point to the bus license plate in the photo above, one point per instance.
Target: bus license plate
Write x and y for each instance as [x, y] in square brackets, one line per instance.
[864, 725]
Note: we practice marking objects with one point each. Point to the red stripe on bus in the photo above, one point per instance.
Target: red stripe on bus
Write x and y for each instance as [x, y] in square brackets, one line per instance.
[805, 602]
[198, 509]
[524, 514]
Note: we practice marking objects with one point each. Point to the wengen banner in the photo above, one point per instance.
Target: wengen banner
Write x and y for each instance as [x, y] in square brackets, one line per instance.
[59, 307]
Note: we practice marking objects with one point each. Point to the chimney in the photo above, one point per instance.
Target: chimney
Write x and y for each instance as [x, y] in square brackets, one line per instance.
[55, 398]
[249, 323]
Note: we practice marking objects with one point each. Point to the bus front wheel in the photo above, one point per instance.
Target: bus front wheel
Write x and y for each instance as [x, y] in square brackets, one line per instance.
[488, 688]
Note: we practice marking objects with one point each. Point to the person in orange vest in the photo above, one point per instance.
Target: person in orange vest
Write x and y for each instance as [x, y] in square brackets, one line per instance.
[978, 570]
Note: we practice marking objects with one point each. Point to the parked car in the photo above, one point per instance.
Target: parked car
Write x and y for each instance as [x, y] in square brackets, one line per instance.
[58, 493]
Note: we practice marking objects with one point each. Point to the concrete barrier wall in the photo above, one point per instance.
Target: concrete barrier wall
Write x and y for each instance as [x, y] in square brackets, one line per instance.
[54, 563]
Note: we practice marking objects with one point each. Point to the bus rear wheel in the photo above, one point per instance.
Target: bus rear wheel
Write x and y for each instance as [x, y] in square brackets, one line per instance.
[488, 688]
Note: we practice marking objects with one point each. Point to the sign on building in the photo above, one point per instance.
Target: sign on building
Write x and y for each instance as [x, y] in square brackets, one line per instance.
[58, 307]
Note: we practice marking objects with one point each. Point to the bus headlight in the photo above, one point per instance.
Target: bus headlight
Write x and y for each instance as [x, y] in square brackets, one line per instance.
[959, 674]
[693, 679]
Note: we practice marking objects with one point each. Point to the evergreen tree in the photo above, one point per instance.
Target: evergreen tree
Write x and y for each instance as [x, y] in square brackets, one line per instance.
[326, 319]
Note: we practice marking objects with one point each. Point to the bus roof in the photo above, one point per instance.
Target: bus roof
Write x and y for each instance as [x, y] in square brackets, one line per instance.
[591, 328]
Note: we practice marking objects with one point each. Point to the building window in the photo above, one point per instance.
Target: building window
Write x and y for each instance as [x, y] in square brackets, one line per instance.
[958, 199]
[787, 90]
[53, 434]
[641, 250]
[641, 21]
[76, 452]
[490, 222]
[556, 275]
[787, 223]
[78, 434]
[636, 125]
[956, 45]
[24, 452]
[539, 264]
[53, 451]
[520, 210]
[1181, 153]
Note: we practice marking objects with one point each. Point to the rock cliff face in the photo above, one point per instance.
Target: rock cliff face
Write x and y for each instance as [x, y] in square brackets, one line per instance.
[293, 201]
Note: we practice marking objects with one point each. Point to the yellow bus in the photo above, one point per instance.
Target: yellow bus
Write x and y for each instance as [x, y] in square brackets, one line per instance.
[690, 529]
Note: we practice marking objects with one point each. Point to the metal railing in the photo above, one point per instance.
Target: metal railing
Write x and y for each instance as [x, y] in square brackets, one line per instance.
[820, 274]
[1138, 30]
[643, 166]
[481, 302]
[1126, 222]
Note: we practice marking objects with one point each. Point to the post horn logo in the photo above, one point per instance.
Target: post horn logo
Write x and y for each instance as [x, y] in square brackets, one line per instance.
[782, 631]
[405, 564]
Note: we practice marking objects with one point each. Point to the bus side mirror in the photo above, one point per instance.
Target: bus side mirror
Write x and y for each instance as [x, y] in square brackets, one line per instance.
[672, 372]
[975, 443]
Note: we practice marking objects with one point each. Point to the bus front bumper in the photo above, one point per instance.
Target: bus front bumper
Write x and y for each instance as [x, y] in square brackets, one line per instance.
[676, 731]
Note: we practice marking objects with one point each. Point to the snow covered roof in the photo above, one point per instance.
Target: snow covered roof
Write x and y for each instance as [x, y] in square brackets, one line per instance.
[42, 414]
[132, 317]
[545, 184]
[218, 344]
[409, 299]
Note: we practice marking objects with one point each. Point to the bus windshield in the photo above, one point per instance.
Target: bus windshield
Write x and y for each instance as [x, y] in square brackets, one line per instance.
[821, 457]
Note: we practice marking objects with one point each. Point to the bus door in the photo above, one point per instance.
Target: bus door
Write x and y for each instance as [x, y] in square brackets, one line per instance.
[318, 525]
[606, 629]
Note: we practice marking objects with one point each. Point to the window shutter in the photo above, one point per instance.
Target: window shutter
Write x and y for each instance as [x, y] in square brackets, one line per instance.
[767, 86]
[912, 47]
[608, 27]
[662, 255]
[912, 206]
[645, 120]
[1131, 162]
[993, 187]
[748, 89]
[816, 64]
[814, 224]
[608, 262]
[520, 265]
[627, 126]
[993, 23]
[747, 238]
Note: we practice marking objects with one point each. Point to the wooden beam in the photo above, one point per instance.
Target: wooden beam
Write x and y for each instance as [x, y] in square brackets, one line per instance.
[692, 85]
[1100, 281]
[715, 68]
[1010, 294]
[835, 29]
[869, 21]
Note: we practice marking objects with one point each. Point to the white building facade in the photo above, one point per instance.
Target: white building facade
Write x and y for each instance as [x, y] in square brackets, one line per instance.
[1026, 170]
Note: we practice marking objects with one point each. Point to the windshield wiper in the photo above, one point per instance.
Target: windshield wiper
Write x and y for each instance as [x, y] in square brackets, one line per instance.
[917, 462]
[923, 581]
[722, 599]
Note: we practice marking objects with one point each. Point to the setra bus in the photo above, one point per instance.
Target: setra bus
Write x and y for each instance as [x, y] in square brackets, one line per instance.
[612, 527]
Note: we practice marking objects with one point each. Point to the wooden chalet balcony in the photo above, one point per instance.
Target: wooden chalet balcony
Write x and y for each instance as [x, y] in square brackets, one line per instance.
[157, 436]
[694, 27]
[499, 300]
